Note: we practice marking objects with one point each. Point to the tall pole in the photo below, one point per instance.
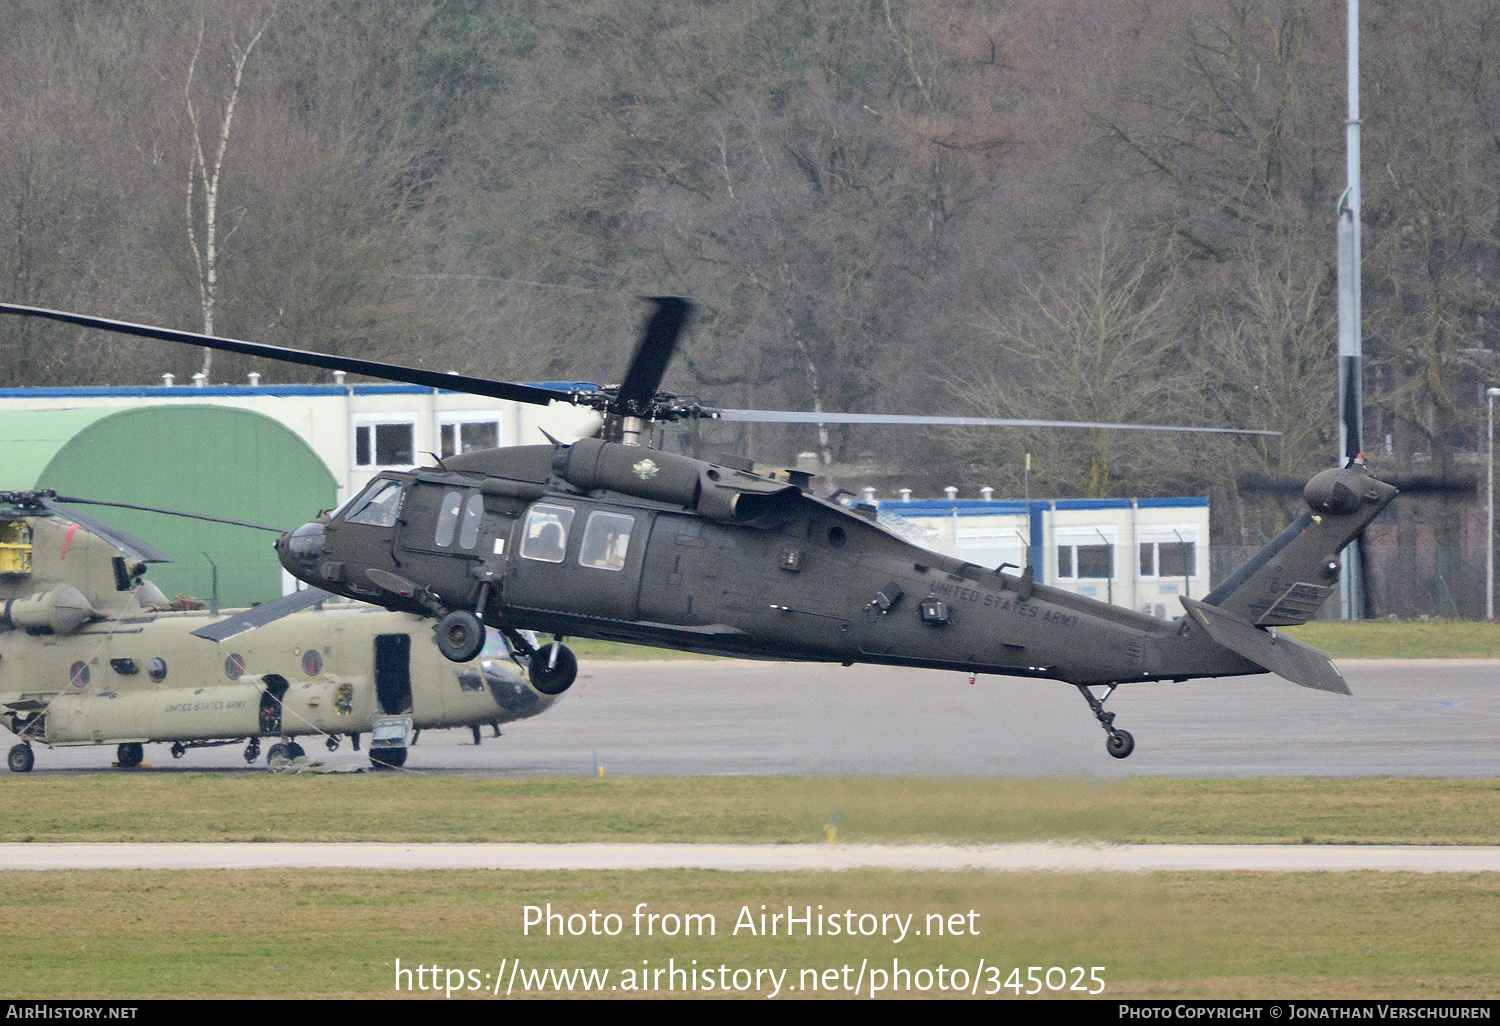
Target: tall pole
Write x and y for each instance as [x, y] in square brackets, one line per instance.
[1489, 536]
[1351, 355]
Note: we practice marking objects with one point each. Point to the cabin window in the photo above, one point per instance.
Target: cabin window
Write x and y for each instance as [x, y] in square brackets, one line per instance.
[468, 531]
[385, 444]
[605, 541]
[545, 536]
[447, 521]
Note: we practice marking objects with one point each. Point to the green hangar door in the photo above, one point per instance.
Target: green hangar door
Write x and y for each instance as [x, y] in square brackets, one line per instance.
[198, 458]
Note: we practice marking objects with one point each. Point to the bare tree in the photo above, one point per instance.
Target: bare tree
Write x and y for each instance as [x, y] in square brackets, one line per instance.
[1103, 345]
[206, 174]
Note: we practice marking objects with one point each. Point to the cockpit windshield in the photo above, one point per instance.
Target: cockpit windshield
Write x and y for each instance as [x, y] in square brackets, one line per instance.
[378, 505]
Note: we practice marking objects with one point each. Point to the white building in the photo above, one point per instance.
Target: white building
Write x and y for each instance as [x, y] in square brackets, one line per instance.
[356, 430]
[1140, 553]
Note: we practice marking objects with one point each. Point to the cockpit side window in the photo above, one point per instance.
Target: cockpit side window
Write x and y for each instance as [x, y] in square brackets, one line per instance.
[545, 536]
[378, 507]
[447, 521]
[468, 533]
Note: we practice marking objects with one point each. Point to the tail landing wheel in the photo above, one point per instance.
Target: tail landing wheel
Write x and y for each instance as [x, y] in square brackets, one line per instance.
[1119, 743]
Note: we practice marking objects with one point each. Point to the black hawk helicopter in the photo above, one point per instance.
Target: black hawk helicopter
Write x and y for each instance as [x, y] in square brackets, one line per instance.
[607, 539]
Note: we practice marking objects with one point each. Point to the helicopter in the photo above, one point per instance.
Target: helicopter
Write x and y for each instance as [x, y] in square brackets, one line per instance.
[605, 538]
[92, 653]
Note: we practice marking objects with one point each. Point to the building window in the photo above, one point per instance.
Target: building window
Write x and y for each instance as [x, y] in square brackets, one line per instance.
[1085, 554]
[1085, 561]
[385, 444]
[1175, 558]
[466, 432]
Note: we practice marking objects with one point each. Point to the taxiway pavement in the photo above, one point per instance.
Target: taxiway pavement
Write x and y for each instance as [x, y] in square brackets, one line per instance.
[677, 718]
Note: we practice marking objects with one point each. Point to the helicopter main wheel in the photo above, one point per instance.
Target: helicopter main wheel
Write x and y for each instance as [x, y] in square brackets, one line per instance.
[556, 678]
[460, 636]
[130, 754]
[388, 758]
[252, 750]
[277, 757]
[1120, 744]
[21, 759]
[294, 750]
[332, 743]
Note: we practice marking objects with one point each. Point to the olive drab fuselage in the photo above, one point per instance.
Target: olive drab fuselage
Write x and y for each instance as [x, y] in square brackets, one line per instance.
[617, 542]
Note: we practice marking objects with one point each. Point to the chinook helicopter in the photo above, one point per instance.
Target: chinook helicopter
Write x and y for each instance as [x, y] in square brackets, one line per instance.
[607, 539]
[92, 653]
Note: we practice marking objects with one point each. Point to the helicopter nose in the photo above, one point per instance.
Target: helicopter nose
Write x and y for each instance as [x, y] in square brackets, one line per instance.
[305, 543]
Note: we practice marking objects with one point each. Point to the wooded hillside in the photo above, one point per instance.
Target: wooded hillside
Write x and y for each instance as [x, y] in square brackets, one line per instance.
[1037, 208]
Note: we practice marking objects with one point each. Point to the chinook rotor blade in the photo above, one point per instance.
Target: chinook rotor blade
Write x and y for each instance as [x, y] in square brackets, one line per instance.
[394, 372]
[787, 417]
[261, 615]
[170, 513]
[649, 364]
[128, 544]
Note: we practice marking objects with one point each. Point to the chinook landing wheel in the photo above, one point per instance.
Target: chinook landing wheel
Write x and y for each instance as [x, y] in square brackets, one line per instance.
[1120, 744]
[277, 757]
[460, 636]
[130, 754]
[557, 677]
[21, 759]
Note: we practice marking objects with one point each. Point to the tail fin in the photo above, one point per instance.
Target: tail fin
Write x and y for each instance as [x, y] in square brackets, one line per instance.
[1286, 582]
[1299, 663]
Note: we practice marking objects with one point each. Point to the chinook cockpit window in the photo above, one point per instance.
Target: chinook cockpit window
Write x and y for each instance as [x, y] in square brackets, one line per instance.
[546, 534]
[378, 506]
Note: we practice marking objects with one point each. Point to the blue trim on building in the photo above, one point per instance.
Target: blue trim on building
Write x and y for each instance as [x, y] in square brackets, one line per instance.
[1186, 502]
[246, 391]
[980, 508]
[1093, 503]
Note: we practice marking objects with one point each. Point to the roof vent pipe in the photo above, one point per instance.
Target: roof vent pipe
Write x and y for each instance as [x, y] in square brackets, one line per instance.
[167, 380]
[254, 377]
[950, 492]
[905, 494]
[198, 379]
[867, 494]
[338, 377]
[987, 494]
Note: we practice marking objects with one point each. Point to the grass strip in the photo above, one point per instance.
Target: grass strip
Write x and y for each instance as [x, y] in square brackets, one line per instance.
[768, 810]
[284, 933]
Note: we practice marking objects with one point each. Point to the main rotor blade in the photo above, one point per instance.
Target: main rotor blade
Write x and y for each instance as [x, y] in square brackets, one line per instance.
[786, 417]
[126, 543]
[173, 513]
[261, 615]
[649, 364]
[394, 372]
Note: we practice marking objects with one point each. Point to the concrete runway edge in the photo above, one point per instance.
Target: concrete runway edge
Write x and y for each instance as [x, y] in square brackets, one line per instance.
[1026, 857]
